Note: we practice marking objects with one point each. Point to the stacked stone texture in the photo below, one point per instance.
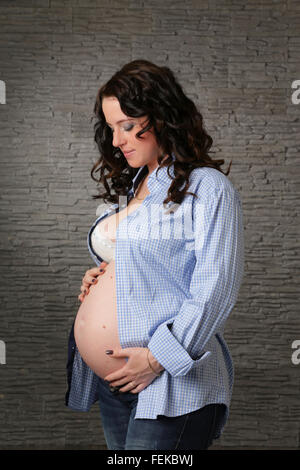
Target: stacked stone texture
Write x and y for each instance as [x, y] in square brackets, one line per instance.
[237, 60]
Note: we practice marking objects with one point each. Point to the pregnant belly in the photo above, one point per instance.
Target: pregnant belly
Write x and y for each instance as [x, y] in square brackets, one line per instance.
[96, 325]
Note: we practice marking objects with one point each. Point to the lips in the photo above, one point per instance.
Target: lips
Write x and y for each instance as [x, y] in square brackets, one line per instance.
[128, 153]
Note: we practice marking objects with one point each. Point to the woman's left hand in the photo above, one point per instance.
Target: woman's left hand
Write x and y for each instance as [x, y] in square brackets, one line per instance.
[136, 374]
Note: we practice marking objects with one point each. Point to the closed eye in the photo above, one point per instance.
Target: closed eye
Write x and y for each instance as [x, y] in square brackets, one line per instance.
[126, 128]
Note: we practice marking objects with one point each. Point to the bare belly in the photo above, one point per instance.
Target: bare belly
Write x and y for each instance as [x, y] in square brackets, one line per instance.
[96, 325]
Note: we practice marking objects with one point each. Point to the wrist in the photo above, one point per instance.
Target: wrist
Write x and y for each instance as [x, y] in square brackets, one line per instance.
[155, 365]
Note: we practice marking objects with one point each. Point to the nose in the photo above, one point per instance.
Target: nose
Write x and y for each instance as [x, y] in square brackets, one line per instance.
[118, 138]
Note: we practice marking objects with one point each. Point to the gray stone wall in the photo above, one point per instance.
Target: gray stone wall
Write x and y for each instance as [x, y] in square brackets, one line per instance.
[237, 60]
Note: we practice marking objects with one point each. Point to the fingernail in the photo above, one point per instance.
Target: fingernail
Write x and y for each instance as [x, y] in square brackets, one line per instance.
[101, 270]
[109, 351]
[93, 280]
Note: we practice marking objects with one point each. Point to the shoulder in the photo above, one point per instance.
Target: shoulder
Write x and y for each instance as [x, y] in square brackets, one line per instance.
[206, 181]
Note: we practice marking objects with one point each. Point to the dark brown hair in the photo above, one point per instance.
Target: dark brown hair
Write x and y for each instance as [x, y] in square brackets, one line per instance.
[145, 89]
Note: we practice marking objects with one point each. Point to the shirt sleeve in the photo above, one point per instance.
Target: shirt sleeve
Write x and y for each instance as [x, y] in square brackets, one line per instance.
[183, 342]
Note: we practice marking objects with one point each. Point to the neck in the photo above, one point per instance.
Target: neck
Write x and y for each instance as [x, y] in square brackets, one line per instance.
[141, 188]
[154, 165]
[151, 168]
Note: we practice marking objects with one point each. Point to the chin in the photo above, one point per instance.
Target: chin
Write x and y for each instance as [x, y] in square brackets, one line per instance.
[134, 164]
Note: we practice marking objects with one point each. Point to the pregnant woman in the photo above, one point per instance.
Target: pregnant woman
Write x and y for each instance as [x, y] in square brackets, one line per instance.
[147, 341]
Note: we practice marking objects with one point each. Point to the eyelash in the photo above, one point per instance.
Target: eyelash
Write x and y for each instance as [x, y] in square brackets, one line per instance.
[131, 126]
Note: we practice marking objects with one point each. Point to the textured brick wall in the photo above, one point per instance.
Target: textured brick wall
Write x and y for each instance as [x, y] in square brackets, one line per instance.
[236, 60]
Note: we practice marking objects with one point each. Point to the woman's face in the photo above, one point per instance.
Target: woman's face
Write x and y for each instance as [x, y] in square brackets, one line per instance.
[145, 149]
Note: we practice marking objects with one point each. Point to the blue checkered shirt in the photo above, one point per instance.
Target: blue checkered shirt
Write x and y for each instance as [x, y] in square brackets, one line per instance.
[178, 274]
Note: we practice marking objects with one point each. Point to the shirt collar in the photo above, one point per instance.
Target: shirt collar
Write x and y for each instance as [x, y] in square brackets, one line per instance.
[156, 179]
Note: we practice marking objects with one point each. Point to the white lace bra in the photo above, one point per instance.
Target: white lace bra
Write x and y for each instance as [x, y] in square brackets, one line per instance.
[101, 244]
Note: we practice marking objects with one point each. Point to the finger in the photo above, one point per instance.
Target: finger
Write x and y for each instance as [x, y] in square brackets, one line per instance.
[84, 289]
[92, 278]
[137, 389]
[119, 376]
[127, 388]
[101, 268]
[119, 383]
[122, 352]
[94, 271]
[92, 281]
[85, 284]
[82, 295]
[87, 280]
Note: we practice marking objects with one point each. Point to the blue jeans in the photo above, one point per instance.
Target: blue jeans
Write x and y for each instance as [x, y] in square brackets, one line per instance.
[191, 431]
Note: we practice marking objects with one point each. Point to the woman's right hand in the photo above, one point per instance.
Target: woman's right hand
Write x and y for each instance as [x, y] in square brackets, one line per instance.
[90, 278]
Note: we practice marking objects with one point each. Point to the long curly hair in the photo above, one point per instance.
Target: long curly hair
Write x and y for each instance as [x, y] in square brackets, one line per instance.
[145, 89]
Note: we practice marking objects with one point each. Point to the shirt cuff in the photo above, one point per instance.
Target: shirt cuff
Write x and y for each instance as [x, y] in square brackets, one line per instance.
[170, 353]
